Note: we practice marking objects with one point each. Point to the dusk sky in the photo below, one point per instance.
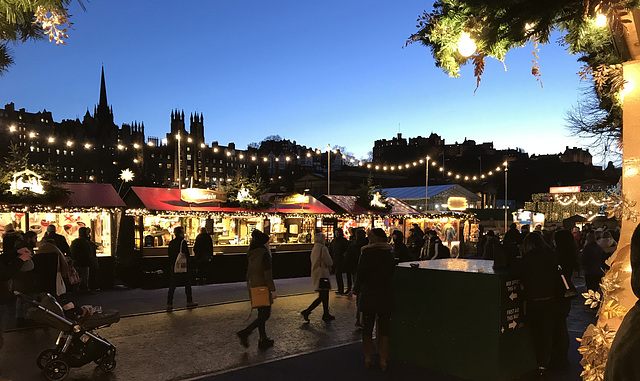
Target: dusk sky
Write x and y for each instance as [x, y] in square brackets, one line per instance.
[330, 72]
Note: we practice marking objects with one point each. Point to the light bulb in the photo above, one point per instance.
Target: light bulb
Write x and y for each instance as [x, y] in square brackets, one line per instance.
[466, 46]
[601, 20]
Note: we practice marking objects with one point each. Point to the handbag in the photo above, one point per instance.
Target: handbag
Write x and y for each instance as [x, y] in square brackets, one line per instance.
[181, 262]
[74, 277]
[570, 291]
[260, 296]
[61, 288]
[324, 284]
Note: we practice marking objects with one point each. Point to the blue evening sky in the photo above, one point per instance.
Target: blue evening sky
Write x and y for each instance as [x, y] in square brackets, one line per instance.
[322, 72]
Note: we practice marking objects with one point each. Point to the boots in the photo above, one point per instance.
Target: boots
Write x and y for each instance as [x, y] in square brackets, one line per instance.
[367, 343]
[383, 351]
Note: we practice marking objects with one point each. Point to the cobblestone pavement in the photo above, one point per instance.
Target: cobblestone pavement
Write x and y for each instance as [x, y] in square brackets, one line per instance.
[200, 344]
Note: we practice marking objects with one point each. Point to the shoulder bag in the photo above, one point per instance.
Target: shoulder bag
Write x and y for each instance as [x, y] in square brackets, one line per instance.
[260, 296]
[181, 262]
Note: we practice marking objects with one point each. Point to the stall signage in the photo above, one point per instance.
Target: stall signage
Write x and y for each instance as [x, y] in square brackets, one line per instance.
[290, 199]
[199, 196]
[457, 203]
[571, 189]
[26, 180]
[511, 291]
[511, 319]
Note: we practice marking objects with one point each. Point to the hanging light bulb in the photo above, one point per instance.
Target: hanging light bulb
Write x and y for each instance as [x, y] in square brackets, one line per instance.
[601, 20]
[466, 46]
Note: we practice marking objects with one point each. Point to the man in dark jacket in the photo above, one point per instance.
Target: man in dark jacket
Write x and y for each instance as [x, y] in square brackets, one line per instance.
[58, 239]
[353, 259]
[203, 251]
[400, 250]
[593, 262]
[489, 246]
[512, 236]
[11, 262]
[83, 253]
[435, 248]
[338, 250]
[176, 246]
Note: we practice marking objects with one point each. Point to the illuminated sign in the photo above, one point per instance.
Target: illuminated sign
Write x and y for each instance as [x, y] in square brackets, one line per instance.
[26, 180]
[571, 189]
[457, 203]
[291, 199]
[199, 196]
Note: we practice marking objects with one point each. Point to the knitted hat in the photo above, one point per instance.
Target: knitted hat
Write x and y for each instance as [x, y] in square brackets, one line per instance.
[377, 235]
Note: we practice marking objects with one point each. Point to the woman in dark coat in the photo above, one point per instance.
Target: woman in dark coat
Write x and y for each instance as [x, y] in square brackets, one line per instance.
[376, 294]
[400, 250]
[259, 273]
[593, 262]
[567, 258]
[539, 275]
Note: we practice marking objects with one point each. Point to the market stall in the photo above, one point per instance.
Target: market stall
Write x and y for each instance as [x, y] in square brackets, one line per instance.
[96, 206]
[456, 230]
[153, 213]
[351, 214]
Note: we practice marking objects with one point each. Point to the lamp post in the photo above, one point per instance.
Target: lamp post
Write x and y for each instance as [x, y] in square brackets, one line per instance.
[426, 185]
[506, 206]
[328, 170]
[179, 160]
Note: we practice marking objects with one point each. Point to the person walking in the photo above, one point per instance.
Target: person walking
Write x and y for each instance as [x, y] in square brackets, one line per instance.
[338, 251]
[376, 295]
[320, 269]
[539, 274]
[567, 257]
[176, 246]
[259, 273]
[83, 253]
[203, 251]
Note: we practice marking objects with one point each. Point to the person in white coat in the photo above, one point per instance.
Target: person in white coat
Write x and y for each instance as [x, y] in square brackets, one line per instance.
[321, 263]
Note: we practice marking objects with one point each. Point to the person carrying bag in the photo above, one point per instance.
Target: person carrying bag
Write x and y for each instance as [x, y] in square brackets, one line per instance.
[321, 263]
[179, 271]
[262, 289]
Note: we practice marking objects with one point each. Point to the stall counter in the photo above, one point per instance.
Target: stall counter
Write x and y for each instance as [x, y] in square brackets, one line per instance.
[460, 317]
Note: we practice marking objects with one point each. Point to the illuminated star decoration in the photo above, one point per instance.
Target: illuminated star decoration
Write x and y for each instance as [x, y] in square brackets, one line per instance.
[126, 175]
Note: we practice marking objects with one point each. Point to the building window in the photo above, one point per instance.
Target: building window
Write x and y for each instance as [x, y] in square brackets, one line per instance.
[188, 156]
[159, 165]
[168, 165]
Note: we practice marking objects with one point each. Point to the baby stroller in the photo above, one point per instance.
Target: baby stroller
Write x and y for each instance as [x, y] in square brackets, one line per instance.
[77, 344]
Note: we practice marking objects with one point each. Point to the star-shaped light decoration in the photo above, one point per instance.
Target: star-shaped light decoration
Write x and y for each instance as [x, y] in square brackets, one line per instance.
[126, 175]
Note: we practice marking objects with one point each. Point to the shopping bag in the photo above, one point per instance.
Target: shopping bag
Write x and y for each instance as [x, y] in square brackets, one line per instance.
[260, 297]
[74, 277]
[181, 262]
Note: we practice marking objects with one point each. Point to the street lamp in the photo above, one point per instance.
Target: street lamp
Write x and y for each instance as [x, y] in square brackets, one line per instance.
[179, 159]
[506, 206]
[328, 170]
[426, 185]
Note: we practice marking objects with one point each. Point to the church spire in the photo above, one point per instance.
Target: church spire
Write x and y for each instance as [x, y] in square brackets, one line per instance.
[103, 92]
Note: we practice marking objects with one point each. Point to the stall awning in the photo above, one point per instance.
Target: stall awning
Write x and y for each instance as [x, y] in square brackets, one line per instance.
[89, 195]
[168, 199]
[302, 204]
[347, 204]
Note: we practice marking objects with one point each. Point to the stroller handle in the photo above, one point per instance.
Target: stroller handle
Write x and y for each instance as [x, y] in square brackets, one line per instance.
[26, 298]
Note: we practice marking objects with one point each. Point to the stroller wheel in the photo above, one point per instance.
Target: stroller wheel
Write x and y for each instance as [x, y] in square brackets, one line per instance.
[107, 364]
[56, 370]
[44, 357]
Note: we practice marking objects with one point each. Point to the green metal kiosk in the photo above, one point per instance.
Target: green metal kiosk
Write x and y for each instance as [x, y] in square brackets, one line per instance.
[461, 317]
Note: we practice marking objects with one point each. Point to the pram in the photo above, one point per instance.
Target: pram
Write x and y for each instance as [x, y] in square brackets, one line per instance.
[77, 344]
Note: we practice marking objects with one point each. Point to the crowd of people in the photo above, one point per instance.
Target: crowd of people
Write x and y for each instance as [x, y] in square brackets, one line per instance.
[52, 265]
[546, 260]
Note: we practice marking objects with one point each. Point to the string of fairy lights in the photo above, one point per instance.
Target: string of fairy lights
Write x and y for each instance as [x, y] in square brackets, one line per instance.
[347, 159]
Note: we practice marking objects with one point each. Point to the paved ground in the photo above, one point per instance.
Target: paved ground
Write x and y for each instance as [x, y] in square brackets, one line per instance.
[200, 344]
